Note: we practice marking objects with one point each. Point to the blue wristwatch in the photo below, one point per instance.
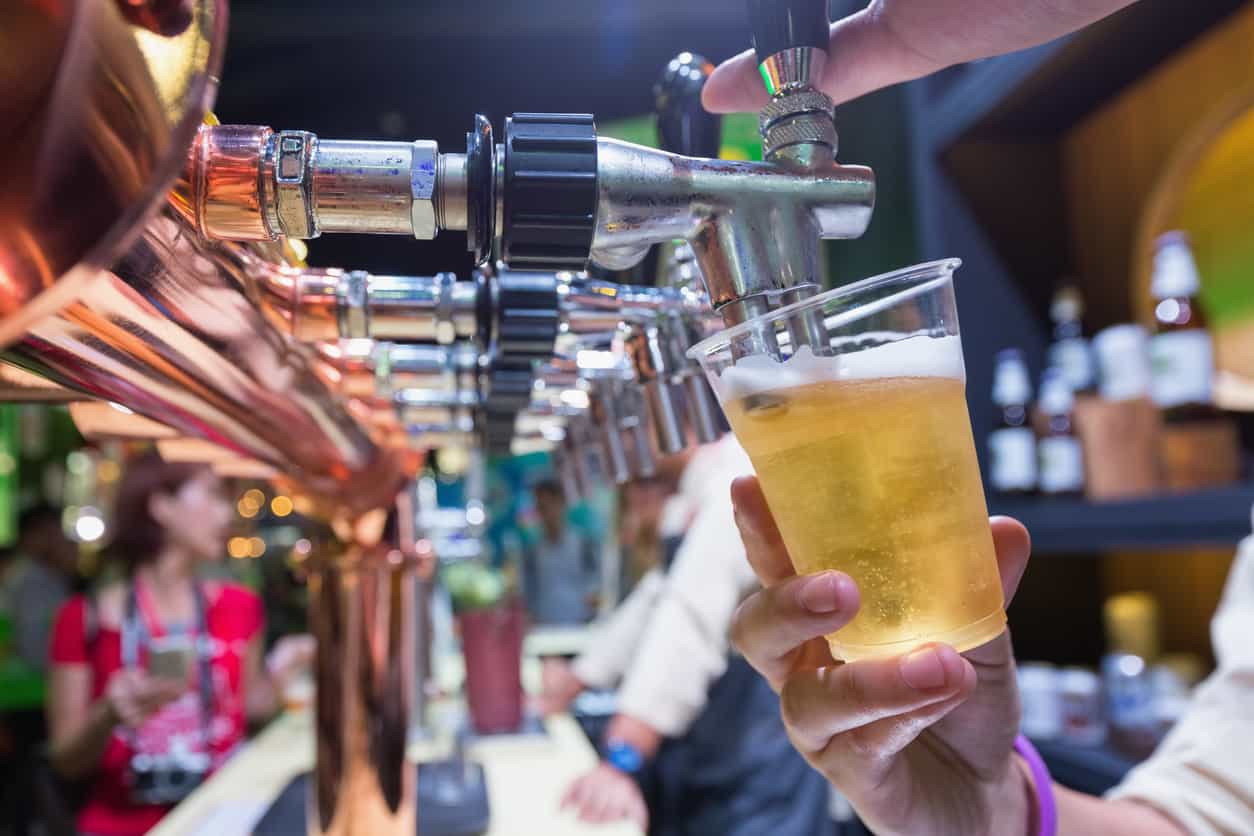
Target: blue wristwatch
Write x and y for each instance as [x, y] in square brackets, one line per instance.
[623, 756]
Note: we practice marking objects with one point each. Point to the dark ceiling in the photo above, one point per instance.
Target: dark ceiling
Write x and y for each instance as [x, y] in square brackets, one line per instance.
[420, 70]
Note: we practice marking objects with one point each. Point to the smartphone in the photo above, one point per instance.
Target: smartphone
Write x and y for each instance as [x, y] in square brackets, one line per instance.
[170, 662]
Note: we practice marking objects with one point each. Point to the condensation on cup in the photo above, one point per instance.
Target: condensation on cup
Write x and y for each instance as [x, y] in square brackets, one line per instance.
[851, 406]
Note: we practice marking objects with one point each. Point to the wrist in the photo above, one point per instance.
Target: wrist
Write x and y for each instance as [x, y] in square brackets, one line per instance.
[107, 714]
[623, 756]
[1012, 804]
[1030, 812]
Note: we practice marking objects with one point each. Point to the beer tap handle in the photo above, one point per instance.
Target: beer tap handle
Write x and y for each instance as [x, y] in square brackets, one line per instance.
[790, 38]
[683, 125]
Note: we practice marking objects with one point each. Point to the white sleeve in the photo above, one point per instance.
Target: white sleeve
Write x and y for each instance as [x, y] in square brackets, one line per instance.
[685, 646]
[1202, 775]
[615, 638]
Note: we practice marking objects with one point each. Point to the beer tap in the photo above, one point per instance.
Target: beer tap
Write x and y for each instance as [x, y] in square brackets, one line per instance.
[557, 195]
[675, 390]
[374, 371]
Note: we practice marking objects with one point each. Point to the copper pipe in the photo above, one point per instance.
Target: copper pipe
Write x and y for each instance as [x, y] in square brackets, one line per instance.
[172, 333]
[362, 612]
[20, 386]
[97, 113]
[223, 194]
[99, 420]
[225, 462]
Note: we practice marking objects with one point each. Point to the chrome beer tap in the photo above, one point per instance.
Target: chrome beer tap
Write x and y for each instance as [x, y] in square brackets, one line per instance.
[556, 195]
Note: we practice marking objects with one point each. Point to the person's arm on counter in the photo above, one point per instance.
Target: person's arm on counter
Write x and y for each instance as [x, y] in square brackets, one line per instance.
[891, 41]
[682, 652]
[608, 652]
[685, 647]
[920, 743]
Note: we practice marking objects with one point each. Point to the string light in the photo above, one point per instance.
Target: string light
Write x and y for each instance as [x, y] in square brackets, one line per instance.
[237, 547]
[250, 503]
[256, 547]
[281, 505]
[108, 471]
[89, 527]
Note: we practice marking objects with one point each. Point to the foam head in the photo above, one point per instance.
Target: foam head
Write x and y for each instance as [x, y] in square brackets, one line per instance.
[915, 355]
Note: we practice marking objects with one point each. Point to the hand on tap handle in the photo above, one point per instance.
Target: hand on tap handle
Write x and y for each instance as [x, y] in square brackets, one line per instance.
[891, 41]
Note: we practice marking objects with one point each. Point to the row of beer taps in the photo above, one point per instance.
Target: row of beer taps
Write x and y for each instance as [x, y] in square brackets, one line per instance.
[150, 259]
[207, 322]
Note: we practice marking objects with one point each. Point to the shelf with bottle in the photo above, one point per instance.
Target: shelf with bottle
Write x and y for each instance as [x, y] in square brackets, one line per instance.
[1062, 525]
[1129, 447]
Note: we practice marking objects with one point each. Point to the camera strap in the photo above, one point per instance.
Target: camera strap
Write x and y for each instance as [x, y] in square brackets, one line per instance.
[136, 634]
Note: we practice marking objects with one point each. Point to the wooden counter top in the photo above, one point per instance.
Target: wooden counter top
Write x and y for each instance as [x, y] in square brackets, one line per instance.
[526, 776]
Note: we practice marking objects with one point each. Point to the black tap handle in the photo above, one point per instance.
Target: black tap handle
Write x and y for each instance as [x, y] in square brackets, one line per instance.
[683, 125]
[778, 25]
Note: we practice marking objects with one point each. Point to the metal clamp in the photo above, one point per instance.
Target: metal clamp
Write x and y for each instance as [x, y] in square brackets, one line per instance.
[382, 357]
[445, 330]
[353, 295]
[293, 154]
[424, 162]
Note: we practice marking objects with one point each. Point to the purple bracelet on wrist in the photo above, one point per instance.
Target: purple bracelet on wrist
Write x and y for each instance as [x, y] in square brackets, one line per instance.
[1046, 805]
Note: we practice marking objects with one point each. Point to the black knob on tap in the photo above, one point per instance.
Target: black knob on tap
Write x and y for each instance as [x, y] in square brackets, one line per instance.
[683, 125]
[780, 25]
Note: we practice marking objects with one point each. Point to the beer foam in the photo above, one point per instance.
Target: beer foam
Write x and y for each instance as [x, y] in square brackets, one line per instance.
[918, 355]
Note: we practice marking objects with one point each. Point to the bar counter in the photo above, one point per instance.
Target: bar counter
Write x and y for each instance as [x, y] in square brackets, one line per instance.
[526, 774]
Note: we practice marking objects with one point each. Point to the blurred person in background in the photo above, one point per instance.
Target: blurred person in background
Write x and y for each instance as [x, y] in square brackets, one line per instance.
[696, 727]
[646, 509]
[926, 742]
[43, 575]
[560, 577]
[154, 678]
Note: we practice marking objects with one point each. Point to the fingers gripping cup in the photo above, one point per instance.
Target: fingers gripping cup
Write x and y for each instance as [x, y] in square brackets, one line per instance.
[860, 437]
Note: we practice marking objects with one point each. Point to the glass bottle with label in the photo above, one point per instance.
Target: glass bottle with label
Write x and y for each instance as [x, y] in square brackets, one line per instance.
[1012, 445]
[1181, 352]
[1070, 352]
[1060, 461]
[1123, 357]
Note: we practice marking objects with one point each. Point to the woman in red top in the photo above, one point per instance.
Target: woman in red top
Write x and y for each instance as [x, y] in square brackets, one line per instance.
[153, 679]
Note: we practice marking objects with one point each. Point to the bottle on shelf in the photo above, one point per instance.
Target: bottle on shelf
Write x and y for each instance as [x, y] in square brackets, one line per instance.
[1123, 356]
[1181, 351]
[1083, 723]
[1060, 460]
[1041, 700]
[1012, 444]
[1070, 351]
[1131, 622]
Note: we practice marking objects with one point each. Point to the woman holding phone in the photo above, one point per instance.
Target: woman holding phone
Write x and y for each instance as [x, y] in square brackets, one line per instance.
[153, 679]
